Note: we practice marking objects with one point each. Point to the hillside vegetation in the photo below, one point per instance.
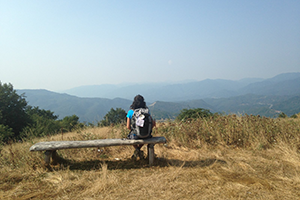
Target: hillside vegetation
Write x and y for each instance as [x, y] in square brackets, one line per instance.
[222, 157]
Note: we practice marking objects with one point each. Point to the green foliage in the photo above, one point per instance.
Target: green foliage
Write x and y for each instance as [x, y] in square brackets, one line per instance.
[42, 122]
[36, 112]
[282, 115]
[18, 120]
[5, 133]
[13, 117]
[69, 123]
[186, 114]
[294, 116]
[113, 117]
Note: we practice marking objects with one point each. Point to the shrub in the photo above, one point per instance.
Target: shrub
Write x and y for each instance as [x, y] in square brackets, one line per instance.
[113, 117]
[6, 133]
[186, 114]
[44, 122]
[69, 123]
[282, 115]
[294, 116]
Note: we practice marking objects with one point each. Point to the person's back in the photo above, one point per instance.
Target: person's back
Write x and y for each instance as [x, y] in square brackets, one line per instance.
[139, 122]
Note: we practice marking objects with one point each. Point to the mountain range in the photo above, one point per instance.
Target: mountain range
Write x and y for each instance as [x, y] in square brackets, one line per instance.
[283, 84]
[266, 97]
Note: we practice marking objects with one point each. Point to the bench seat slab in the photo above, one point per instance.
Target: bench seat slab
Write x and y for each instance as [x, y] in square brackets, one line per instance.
[56, 145]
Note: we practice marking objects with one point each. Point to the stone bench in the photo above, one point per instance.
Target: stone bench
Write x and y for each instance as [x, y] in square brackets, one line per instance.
[51, 147]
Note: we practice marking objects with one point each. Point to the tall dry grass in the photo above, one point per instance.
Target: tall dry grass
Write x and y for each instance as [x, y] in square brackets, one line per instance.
[236, 131]
[229, 157]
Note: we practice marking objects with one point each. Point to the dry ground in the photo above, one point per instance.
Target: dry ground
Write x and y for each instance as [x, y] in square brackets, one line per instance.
[179, 173]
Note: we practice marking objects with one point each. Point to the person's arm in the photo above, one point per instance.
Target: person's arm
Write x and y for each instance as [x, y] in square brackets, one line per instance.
[128, 116]
[128, 123]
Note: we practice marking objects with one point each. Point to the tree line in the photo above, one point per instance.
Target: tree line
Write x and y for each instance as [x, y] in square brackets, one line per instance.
[18, 120]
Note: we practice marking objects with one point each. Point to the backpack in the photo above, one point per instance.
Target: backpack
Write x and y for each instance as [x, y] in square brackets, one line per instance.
[141, 123]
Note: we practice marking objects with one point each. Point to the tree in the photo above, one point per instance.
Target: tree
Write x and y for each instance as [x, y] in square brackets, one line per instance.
[186, 114]
[68, 123]
[12, 111]
[36, 111]
[113, 117]
[42, 122]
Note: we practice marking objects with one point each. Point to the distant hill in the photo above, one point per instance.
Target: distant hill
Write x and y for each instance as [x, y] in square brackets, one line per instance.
[163, 91]
[289, 106]
[87, 109]
[94, 109]
[283, 84]
[252, 96]
[264, 105]
[274, 86]
[164, 110]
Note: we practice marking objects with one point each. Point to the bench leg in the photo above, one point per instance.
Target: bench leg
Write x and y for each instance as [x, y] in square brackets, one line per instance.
[151, 154]
[54, 157]
[50, 154]
[47, 157]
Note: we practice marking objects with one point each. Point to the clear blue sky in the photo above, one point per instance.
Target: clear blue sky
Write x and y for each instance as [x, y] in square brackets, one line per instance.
[59, 44]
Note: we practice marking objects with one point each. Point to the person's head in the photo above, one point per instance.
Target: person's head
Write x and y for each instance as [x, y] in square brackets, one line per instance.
[138, 102]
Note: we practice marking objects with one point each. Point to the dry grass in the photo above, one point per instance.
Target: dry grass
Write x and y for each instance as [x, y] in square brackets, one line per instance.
[191, 165]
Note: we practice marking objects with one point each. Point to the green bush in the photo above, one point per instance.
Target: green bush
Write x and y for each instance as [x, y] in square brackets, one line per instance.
[113, 117]
[69, 123]
[294, 116]
[6, 133]
[41, 123]
[44, 122]
[187, 114]
[282, 115]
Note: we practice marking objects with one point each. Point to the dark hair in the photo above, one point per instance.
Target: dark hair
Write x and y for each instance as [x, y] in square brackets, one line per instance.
[138, 102]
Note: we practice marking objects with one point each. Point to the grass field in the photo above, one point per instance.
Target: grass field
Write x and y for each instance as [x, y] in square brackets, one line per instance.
[228, 157]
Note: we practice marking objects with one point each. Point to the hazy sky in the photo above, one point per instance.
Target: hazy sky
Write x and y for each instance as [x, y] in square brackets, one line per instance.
[59, 44]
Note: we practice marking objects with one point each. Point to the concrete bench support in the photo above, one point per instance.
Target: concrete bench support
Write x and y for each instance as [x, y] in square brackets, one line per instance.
[150, 152]
[47, 156]
[50, 148]
[50, 154]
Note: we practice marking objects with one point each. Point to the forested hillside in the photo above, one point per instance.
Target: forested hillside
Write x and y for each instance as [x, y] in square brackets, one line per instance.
[249, 96]
[93, 109]
[88, 109]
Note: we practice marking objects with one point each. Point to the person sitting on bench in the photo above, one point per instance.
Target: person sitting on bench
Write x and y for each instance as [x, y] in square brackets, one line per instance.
[140, 123]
